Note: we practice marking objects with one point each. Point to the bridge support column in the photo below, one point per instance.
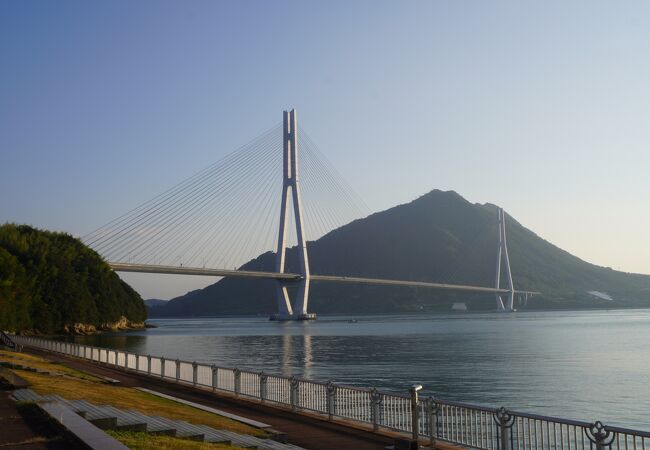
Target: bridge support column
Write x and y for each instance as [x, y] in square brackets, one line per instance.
[291, 188]
[502, 255]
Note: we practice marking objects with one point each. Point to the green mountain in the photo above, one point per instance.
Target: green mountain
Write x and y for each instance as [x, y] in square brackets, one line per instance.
[439, 237]
[50, 281]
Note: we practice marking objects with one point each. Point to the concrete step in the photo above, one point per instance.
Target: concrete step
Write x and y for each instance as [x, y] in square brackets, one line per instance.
[89, 435]
[105, 420]
[26, 395]
[183, 429]
[209, 434]
[109, 417]
[154, 426]
[12, 379]
[125, 421]
[81, 407]
[240, 440]
[13, 365]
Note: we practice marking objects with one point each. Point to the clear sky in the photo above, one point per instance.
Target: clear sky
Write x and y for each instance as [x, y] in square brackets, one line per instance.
[540, 107]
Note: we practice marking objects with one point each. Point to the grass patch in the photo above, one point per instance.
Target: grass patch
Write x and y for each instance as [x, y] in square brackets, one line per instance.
[144, 441]
[127, 398]
[40, 363]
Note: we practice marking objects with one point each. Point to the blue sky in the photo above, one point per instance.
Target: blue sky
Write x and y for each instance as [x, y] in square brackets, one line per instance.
[540, 107]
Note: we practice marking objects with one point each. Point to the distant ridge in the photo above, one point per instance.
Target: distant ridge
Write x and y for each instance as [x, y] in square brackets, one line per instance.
[438, 237]
[150, 302]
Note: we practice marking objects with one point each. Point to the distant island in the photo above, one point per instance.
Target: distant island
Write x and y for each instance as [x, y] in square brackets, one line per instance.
[52, 283]
[439, 237]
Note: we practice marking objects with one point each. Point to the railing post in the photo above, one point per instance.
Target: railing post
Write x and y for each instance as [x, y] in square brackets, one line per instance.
[415, 413]
[263, 386]
[432, 407]
[331, 400]
[504, 421]
[215, 377]
[375, 401]
[178, 370]
[237, 375]
[148, 364]
[600, 436]
[194, 372]
[162, 367]
[137, 362]
[293, 393]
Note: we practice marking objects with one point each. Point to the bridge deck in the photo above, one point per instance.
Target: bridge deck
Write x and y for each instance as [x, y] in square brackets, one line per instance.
[180, 270]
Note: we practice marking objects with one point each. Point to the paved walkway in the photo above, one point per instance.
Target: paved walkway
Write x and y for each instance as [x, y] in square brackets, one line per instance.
[309, 433]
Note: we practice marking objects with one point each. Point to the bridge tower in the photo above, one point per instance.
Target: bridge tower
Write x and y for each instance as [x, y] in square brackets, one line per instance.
[502, 254]
[291, 189]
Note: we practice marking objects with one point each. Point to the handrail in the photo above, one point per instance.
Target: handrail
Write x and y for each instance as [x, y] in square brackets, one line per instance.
[424, 418]
[6, 340]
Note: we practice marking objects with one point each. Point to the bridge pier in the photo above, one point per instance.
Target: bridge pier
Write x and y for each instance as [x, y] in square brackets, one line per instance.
[502, 254]
[291, 188]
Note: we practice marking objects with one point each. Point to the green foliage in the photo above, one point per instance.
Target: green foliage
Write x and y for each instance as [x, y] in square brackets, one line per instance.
[49, 280]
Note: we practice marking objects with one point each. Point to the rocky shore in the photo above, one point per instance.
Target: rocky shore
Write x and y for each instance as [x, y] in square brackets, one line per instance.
[122, 324]
[83, 329]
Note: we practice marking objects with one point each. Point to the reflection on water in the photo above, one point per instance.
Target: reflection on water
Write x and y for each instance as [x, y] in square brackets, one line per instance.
[584, 365]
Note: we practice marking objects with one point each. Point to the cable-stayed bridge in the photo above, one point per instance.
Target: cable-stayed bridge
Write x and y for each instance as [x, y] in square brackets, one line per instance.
[224, 216]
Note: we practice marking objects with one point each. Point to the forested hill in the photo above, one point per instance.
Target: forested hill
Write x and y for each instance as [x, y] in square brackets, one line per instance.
[51, 280]
[438, 237]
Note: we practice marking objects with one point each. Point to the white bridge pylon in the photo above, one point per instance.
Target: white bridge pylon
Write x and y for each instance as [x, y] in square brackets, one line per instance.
[174, 211]
[291, 188]
[502, 254]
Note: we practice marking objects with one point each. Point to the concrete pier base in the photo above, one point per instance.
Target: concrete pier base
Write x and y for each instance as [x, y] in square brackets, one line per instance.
[293, 317]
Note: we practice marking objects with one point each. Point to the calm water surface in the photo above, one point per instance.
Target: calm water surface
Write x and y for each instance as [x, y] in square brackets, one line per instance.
[582, 365]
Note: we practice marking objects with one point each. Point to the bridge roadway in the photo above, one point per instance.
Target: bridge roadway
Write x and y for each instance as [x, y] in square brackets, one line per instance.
[180, 270]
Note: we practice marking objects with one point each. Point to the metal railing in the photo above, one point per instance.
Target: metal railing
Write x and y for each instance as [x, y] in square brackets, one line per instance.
[6, 340]
[427, 418]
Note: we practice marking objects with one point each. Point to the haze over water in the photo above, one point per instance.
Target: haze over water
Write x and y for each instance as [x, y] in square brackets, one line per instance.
[577, 364]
